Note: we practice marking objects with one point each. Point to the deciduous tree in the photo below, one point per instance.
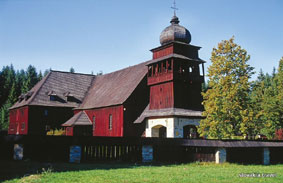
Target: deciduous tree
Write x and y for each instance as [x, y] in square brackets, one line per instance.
[227, 106]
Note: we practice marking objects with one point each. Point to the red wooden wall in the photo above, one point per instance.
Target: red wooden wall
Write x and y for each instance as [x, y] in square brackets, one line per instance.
[161, 96]
[102, 121]
[182, 49]
[18, 121]
[163, 52]
[69, 131]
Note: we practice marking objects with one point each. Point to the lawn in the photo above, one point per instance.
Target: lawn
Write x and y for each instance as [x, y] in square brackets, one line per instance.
[108, 173]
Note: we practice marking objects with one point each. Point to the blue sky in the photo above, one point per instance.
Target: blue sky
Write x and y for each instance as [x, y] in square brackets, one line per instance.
[107, 35]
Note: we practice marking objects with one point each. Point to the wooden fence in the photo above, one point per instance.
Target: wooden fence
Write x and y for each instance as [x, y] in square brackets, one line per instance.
[91, 153]
[97, 149]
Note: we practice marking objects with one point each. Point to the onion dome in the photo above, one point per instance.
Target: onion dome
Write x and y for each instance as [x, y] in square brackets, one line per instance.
[175, 32]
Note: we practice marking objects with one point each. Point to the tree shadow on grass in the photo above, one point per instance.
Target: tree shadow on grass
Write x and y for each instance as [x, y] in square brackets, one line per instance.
[10, 169]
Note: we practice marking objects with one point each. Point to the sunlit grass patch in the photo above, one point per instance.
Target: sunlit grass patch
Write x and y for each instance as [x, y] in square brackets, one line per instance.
[193, 172]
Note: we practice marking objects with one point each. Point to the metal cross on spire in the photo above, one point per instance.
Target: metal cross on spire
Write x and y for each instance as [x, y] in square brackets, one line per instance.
[174, 7]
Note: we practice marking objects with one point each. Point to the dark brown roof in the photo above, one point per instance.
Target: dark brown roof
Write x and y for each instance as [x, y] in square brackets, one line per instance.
[175, 55]
[174, 42]
[175, 32]
[229, 143]
[80, 119]
[57, 83]
[114, 88]
[167, 112]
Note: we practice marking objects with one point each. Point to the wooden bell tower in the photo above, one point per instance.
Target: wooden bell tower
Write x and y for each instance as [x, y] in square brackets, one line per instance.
[175, 77]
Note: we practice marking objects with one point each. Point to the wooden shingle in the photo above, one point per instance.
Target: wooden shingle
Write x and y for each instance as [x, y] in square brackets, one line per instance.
[57, 83]
[114, 88]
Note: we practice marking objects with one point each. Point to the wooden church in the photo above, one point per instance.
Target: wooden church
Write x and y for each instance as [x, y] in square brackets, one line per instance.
[157, 98]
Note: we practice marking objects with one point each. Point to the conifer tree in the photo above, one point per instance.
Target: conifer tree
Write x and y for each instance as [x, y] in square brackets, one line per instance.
[4, 117]
[227, 106]
[12, 98]
[31, 79]
[46, 72]
[40, 76]
[72, 70]
[8, 78]
[280, 90]
[257, 98]
[2, 80]
[278, 80]
[272, 102]
[12, 85]
[270, 111]
[8, 94]
[20, 79]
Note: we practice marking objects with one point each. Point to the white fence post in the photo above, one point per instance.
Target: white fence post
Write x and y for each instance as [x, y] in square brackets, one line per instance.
[220, 155]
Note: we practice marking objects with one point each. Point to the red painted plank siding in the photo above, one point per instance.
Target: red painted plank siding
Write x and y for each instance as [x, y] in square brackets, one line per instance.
[18, 121]
[163, 52]
[102, 121]
[69, 131]
[162, 96]
[160, 78]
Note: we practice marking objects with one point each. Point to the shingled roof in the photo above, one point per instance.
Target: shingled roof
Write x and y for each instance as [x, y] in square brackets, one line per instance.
[59, 83]
[79, 119]
[175, 55]
[167, 112]
[114, 88]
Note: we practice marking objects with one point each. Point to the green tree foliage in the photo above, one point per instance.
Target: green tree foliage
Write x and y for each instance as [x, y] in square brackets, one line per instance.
[4, 116]
[31, 79]
[270, 111]
[8, 78]
[279, 79]
[228, 111]
[7, 82]
[40, 76]
[20, 79]
[258, 100]
[99, 73]
[72, 70]
[267, 102]
[204, 86]
[273, 104]
[46, 72]
[13, 84]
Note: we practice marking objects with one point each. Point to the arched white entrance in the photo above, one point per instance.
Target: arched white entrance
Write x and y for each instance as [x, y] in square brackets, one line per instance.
[174, 127]
[159, 131]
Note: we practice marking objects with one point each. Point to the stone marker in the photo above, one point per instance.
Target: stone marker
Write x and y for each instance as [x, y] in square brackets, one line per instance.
[147, 154]
[75, 154]
[220, 155]
[266, 156]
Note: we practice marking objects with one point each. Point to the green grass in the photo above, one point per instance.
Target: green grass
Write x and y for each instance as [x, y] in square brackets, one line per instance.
[108, 173]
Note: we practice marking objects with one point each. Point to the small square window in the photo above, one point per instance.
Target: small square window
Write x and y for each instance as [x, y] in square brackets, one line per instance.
[52, 98]
[45, 112]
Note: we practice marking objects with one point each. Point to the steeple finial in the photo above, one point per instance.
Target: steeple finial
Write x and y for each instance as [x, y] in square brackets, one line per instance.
[175, 19]
[174, 7]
